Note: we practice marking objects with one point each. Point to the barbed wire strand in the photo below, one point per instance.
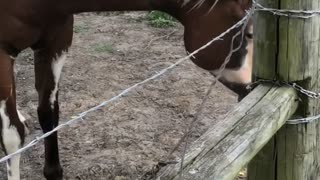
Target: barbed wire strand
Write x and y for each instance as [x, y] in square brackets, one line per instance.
[303, 120]
[80, 116]
[304, 14]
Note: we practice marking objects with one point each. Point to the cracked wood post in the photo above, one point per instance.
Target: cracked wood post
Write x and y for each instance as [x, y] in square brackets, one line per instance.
[289, 48]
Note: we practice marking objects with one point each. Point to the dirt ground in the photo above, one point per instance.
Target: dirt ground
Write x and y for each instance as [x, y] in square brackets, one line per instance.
[127, 138]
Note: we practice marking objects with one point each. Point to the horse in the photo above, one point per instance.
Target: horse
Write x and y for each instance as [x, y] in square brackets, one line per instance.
[46, 27]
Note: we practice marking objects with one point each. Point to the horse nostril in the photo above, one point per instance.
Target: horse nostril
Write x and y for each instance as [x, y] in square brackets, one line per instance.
[249, 35]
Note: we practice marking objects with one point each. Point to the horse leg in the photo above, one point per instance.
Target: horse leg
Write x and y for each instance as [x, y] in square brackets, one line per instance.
[49, 58]
[12, 129]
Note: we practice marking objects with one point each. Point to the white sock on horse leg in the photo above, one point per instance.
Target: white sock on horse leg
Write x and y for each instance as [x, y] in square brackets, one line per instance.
[11, 141]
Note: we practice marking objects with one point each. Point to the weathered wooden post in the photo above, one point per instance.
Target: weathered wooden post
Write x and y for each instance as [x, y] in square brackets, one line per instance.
[289, 48]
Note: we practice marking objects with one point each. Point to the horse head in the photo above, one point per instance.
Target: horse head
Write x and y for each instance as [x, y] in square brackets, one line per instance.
[207, 19]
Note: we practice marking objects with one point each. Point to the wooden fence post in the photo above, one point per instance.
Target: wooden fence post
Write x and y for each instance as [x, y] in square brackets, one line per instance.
[289, 49]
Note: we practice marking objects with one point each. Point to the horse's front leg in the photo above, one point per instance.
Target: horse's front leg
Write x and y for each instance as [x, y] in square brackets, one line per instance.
[12, 129]
[49, 57]
[48, 109]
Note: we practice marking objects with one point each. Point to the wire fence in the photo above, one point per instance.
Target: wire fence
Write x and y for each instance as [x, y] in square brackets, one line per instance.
[304, 14]
[80, 116]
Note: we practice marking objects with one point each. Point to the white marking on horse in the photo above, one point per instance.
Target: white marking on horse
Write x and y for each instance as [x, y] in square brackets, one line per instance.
[21, 117]
[250, 29]
[11, 141]
[242, 75]
[56, 66]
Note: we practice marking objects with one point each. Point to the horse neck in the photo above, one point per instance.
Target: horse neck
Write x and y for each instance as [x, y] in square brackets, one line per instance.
[172, 7]
[78, 6]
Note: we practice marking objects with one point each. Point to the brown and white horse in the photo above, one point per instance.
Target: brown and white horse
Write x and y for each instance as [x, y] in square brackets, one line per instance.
[47, 27]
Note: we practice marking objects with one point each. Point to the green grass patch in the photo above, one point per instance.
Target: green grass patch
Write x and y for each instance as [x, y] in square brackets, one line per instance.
[160, 19]
[80, 28]
[102, 48]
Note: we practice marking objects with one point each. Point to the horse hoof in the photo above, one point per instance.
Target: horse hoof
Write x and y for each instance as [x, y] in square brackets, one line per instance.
[53, 173]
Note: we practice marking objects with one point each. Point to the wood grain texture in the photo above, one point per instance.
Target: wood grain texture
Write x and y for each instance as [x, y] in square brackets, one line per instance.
[294, 153]
[232, 142]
